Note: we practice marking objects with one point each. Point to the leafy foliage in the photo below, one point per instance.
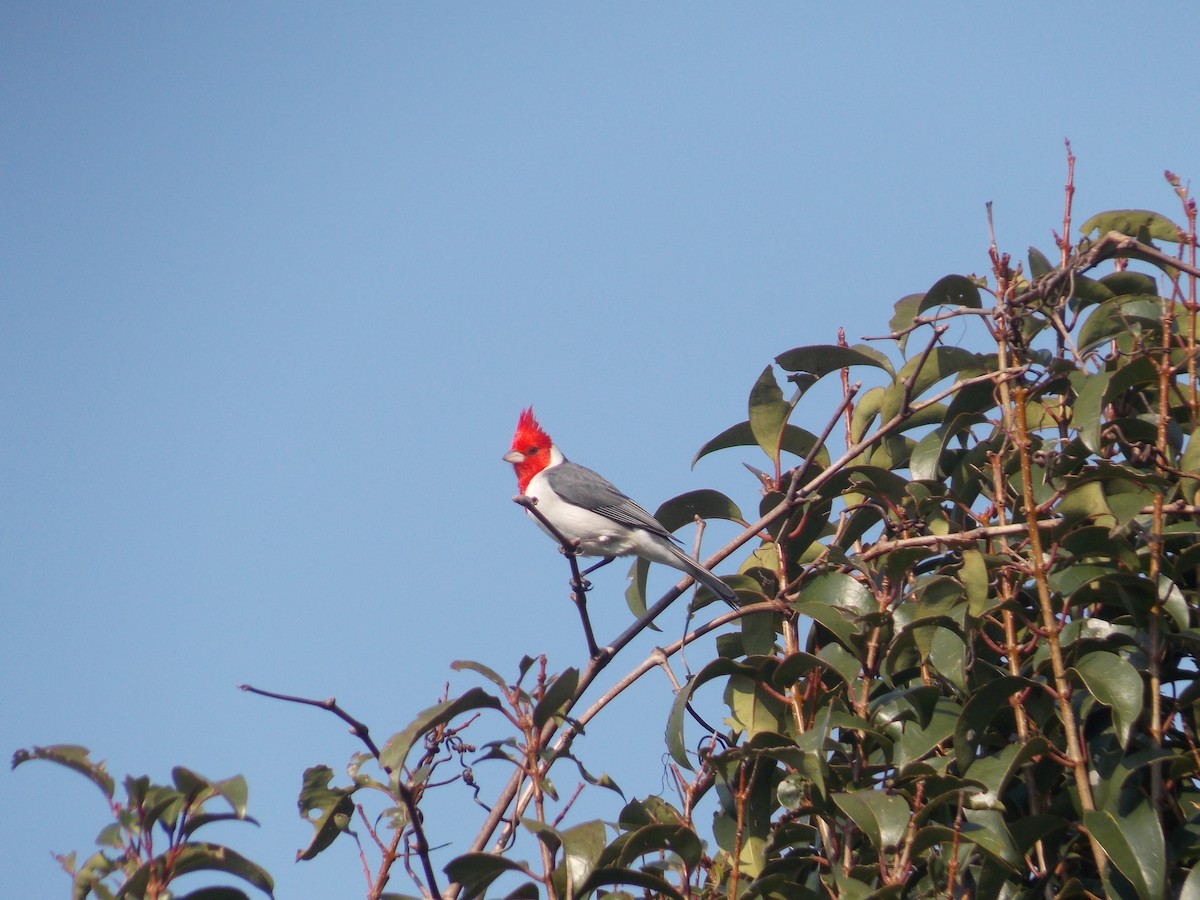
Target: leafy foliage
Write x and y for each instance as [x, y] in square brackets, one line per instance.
[965, 663]
[151, 841]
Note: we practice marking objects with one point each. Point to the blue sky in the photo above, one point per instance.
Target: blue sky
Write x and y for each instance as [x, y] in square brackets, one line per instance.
[277, 280]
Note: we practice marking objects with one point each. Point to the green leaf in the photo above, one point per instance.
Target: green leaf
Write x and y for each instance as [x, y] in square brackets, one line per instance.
[866, 411]
[216, 893]
[335, 805]
[987, 830]
[1039, 265]
[608, 876]
[161, 806]
[1191, 885]
[199, 857]
[1116, 684]
[582, 847]
[1190, 463]
[915, 742]
[1114, 771]
[974, 576]
[561, 690]
[768, 413]
[948, 654]
[656, 838]
[1127, 281]
[635, 594]
[1117, 316]
[979, 711]
[804, 526]
[1134, 842]
[839, 590]
[752, 709]
[395, 751]
[1088, 292]
[821, 359]
[707, 504]
[795, 666]
[842, 661]
[796, 441]
[952, 290]
[1174, 602]
[1088, 412]
[188, 783]
[196, 822]
[235, 792]
[1085, 502]
[469, 665]
[994, 771]
[922, 373]
[758, 634]
[903, 705]
[675, 722]
[925, 460]
[73, 757]
[839, 623]
[1137, 223]
[883, 818]
[939, 602]
[903, 313]
[603, 780]
[88, 880]
[651, 811]
[476, 871]
[1096, 545]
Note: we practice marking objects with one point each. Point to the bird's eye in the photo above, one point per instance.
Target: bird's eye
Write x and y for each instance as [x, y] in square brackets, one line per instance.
[533, 450]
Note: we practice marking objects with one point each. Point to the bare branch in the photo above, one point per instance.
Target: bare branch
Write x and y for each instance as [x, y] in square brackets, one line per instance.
[359, 729]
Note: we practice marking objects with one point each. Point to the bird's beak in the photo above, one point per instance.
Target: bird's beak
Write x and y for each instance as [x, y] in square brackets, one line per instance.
[514, 457]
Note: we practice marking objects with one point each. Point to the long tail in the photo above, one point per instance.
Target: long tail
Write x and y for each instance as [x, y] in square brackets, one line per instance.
[705, 577]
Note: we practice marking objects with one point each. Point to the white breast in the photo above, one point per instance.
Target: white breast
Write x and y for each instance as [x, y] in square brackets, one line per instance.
[597, 535]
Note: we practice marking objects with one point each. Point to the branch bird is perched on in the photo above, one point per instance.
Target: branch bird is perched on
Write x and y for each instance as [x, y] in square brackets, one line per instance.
[585, 507]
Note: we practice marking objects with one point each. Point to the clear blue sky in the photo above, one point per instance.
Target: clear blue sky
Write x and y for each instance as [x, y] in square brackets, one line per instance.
[276, 279]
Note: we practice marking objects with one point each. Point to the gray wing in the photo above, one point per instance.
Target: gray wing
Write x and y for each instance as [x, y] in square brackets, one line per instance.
[581, 486]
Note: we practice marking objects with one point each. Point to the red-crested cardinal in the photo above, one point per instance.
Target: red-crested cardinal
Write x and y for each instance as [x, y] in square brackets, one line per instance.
[585, 507]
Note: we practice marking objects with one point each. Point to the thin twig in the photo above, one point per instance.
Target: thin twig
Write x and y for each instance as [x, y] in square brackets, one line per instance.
[952, 539]
[357, 728]
[579, 586]
[360, 730]
[920, 321]
[1064, 241]
[800, 471]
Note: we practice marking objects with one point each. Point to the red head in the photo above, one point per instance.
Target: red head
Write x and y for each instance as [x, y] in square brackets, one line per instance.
[530, 450]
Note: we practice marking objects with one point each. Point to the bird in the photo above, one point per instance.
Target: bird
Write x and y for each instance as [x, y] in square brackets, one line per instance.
[586, 507]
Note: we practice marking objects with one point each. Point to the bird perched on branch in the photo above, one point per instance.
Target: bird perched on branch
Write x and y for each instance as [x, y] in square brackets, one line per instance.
[585, 507]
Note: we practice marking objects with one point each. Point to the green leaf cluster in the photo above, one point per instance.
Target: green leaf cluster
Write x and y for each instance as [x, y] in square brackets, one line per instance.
[151, 841]
[965, 661]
